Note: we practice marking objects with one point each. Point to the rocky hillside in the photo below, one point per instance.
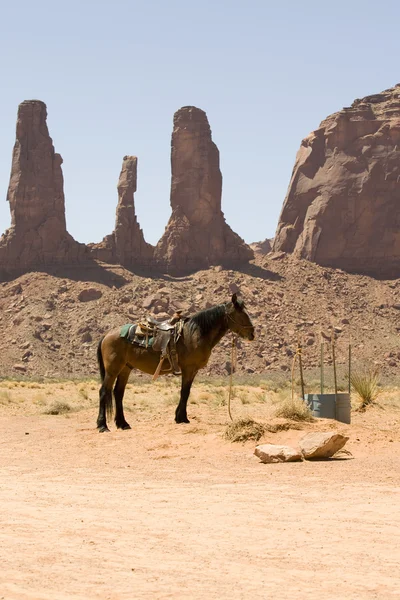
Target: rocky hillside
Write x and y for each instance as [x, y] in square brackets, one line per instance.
[50, 324]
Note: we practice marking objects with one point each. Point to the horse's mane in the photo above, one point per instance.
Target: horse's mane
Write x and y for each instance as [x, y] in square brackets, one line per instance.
[207, 319]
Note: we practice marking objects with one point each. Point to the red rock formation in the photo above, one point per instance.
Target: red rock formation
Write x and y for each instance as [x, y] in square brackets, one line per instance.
[38, 234]
[342, 208]
[197, 235]
[262, 247]
[126, 245]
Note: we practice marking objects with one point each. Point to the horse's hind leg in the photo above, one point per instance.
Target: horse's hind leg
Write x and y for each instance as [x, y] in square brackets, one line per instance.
[105, 407]
[119, 391]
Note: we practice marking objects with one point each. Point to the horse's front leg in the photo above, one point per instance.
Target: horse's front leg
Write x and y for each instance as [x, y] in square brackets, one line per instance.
[119, 391]
[181, 412]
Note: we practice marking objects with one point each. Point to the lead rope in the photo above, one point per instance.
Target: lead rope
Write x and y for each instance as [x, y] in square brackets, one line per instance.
[233, 368]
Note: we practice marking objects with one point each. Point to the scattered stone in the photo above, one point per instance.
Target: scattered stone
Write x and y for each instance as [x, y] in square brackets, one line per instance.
[89, 294]
[26, 356]
[15, 289]
[321, 444]
[234, 288]
[271, 453]
[150, 300]
[86, 337]
[20, 368]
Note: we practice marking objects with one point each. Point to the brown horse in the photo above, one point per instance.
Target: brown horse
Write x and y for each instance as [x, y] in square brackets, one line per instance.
[117, 357]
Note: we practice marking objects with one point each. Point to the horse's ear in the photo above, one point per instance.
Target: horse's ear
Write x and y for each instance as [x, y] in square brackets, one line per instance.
[237, 302]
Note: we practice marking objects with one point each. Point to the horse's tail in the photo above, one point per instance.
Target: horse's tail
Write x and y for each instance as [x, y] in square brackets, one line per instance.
[101, 361]
[102, 369]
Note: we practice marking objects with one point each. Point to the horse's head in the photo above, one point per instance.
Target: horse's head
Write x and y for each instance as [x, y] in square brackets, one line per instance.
[238, 319]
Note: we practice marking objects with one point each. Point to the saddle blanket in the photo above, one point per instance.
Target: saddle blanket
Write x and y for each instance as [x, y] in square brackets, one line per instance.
[129, 333]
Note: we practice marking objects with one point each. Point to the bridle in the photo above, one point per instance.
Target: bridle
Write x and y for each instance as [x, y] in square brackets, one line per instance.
[228, 316]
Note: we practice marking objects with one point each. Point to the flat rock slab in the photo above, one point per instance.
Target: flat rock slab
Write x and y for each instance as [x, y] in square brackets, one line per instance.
[321, 444]
[271, 453]
[89, 294]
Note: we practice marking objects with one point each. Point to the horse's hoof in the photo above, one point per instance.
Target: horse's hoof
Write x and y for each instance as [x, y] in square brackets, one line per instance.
[103, 429]
[124, 426]
[184, 420]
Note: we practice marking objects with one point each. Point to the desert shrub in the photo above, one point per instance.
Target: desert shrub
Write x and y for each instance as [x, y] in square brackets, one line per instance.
[58, 408]
[220, 397]
[294, 409]
[366, 385]
[5, 397]
[243, 430]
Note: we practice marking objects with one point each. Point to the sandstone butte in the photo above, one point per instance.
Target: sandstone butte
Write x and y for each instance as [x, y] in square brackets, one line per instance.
[38, 234]
[126, 245]
[342, 207]
[197, 235]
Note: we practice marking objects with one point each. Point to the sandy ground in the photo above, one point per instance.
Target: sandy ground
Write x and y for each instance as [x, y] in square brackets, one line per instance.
[168, 511]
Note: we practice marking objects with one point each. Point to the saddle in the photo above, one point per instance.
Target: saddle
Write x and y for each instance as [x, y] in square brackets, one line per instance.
[162, 337]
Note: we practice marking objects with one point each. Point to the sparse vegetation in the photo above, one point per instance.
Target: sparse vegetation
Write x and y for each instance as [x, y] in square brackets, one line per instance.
[243, 430]
[40, 400]
[220, 396]
[58, 408]
[5, 397]
[84, 393]
[294, 409]
[366, 385]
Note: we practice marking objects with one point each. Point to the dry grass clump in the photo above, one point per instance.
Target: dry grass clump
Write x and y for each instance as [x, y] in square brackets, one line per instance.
[366, 385]
[5, 397]
[243, 430]
[58, 408]
[294, 409]
[83, 393]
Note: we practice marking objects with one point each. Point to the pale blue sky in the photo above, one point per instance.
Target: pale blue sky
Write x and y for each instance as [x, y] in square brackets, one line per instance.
[113, 73]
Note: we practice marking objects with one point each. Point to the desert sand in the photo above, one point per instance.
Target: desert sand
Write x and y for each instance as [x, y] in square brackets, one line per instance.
[176, 511]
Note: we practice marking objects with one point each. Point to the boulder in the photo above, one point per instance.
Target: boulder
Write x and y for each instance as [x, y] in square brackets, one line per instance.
[342, 207]
[271, 453]
[89, 294]
[321, 444]
[197, 235]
